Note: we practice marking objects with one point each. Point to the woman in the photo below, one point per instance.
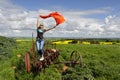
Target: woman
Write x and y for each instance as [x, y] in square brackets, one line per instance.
[40, 38]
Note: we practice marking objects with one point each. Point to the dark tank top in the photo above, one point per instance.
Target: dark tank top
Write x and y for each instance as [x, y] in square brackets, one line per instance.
[40, 33]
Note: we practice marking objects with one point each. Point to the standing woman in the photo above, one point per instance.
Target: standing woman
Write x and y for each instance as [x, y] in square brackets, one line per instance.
[40, 38]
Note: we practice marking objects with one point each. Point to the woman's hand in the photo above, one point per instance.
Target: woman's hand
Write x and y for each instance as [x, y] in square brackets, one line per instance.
[55, 26]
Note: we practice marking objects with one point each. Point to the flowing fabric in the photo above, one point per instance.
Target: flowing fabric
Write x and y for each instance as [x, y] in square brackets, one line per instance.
[57, 16]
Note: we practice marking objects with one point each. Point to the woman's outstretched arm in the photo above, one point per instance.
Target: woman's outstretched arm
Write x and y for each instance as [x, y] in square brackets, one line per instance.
[51, 28]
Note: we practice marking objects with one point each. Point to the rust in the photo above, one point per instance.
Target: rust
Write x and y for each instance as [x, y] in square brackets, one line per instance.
[50, 54]
[27, 61]
[64, 68]
[76, 58]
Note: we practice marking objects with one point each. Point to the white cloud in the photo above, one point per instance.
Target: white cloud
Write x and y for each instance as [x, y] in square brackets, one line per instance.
[16, 31]
[17, 21]
[89, 12]
[112, 25]
[109, 18]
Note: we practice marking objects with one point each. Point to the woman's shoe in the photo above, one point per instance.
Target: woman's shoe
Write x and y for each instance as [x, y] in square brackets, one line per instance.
[42, 58]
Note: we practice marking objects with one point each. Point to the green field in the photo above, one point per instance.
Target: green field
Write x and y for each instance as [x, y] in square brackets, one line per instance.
[101, 62]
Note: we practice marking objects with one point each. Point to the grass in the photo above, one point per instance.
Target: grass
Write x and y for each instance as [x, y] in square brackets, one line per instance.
[101, 62]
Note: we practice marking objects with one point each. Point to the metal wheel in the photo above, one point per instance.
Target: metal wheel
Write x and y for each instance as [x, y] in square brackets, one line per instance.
[76, 58]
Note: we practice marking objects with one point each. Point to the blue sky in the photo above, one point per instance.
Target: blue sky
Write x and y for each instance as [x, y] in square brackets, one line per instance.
[67, 4]
[84, 18]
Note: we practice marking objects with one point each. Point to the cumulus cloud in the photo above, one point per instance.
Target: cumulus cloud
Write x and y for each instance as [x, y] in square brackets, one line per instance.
[89, 12]
[17, 21]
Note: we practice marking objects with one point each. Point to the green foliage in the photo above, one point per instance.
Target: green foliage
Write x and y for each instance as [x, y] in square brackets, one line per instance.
[6, 70]
[100, 62]
[6, 45]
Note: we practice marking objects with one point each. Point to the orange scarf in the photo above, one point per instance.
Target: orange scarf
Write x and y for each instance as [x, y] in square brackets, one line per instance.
[57, 16]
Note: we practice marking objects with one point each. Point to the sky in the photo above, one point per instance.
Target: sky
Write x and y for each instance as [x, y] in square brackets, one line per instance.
[83, 18]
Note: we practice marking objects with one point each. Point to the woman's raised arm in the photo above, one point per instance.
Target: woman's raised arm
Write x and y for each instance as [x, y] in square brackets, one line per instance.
[37, 22]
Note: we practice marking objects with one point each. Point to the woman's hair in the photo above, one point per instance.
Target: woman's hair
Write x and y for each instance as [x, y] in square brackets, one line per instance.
[40, 25]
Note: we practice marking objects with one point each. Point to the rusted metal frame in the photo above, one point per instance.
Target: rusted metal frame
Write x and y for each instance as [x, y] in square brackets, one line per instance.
[27, 61]
[38, 66]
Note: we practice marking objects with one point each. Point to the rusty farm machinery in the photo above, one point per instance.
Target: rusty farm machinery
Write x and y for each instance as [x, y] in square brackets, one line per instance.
[32, 63]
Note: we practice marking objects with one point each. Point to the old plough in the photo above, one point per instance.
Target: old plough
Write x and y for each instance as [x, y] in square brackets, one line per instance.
[32, 62]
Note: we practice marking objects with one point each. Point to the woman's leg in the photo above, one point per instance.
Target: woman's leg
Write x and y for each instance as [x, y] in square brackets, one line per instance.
[41, 49]
[40, 45]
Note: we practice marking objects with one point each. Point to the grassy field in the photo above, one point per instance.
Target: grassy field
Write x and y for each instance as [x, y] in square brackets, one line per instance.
[6, 47]
[101, 62]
